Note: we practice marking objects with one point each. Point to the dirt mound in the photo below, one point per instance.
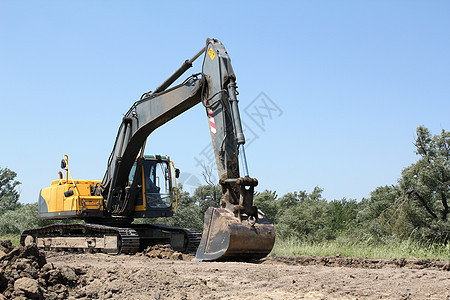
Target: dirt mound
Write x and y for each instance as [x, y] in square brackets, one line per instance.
[337, 261]
[165, 252]
[25, 274]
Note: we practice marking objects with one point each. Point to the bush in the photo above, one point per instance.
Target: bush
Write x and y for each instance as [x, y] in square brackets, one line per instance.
[267, 203]
[188, 213]
[16, 221]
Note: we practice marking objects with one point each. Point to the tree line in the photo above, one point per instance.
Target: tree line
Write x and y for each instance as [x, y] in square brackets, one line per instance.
[415, 208]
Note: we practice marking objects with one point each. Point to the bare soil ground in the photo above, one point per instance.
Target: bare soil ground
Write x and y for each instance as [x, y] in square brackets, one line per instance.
[146, 276]
[160, 273]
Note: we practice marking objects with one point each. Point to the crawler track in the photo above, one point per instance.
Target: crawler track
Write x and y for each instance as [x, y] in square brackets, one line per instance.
[110, 239]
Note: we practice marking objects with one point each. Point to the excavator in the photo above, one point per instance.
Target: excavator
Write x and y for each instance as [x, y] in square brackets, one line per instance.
[136, 185]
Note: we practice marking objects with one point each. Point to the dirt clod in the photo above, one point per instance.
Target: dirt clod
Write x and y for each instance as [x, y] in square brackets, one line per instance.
[6, 245]
[29, 286]
[25, 274]
[165, 252]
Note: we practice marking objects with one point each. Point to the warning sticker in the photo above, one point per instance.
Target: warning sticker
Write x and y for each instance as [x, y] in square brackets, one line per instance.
[211, 53]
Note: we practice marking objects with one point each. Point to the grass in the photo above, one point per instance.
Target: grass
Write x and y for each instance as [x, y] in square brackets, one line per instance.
[344, 247]
[393, 249]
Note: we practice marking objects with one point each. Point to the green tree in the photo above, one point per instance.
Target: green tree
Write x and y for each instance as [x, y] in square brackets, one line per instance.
[304, 215]
[426, 188]
[292, 199]
[267, 202]
[9, 196]
[207, 196]
[428, 180]
[187, 213]
[342, 215]
[378, 214]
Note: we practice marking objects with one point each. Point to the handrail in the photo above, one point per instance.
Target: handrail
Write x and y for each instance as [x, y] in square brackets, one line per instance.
[68, 173]
[174, 188]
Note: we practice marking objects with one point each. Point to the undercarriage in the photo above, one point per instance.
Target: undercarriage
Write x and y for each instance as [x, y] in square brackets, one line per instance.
[109, 239]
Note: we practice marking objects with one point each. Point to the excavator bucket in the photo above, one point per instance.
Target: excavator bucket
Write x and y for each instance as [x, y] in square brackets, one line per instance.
[225, 237]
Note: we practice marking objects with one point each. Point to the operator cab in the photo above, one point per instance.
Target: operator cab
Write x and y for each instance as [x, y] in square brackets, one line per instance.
[154, 185]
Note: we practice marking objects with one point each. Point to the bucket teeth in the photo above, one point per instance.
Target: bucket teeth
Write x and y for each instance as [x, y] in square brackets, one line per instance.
[226, 238]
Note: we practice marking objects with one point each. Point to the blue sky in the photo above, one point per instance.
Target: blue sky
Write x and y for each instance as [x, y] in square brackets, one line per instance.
[349, 81]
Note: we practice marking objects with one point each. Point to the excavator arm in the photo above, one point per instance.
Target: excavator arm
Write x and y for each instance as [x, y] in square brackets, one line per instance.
[138, 123]
[235, 230]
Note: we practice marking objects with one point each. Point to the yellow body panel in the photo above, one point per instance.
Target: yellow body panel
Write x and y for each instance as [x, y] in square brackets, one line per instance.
[81, 204]
[54, 204]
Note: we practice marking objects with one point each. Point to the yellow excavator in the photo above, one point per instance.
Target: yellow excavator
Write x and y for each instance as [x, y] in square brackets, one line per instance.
[136, 185]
